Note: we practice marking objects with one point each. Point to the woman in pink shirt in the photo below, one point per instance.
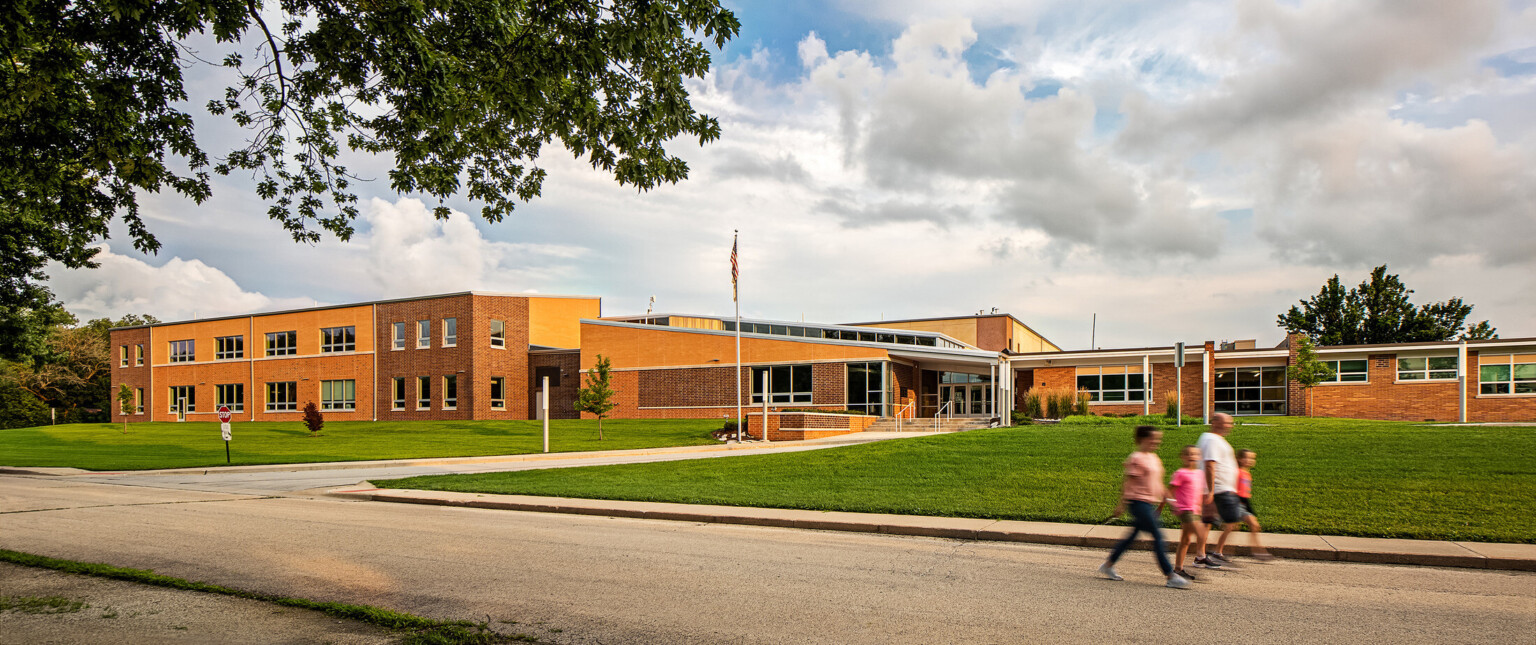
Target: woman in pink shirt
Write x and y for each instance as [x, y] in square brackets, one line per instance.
[1188, 486]
[1142, 495]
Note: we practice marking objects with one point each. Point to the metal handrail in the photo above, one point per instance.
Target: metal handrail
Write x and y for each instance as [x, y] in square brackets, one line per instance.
[901, 413]
[940, 413]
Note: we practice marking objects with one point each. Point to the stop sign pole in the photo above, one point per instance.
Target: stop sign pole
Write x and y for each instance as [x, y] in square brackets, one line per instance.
[224, 417]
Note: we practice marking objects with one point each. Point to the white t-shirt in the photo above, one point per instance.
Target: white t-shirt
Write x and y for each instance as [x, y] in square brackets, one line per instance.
[1213, 447]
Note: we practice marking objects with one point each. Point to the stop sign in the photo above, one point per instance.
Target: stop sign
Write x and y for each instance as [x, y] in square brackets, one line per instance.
[224, 414]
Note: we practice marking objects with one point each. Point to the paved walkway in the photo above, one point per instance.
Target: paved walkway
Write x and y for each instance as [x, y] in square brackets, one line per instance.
[1476, 555]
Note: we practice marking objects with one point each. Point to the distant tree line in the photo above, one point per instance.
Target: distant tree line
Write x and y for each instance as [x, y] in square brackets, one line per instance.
[62, 365]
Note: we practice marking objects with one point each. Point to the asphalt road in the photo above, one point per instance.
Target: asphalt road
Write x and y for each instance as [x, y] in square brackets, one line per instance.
[603, 580]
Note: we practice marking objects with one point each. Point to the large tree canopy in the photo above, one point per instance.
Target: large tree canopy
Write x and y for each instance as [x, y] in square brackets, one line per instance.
[463, 94]
[1378, 311]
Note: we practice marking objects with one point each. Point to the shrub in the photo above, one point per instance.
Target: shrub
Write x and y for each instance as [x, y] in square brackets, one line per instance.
[1083, 397]
[313, 419]
[1022, 419]
[1034, 403]
[1171, 400]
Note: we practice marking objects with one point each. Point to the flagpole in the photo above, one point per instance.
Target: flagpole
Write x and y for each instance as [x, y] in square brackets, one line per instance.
[736, 296]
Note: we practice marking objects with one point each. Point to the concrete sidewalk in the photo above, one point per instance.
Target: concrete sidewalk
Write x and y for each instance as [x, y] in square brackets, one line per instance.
[807, 444]
[1475, 555]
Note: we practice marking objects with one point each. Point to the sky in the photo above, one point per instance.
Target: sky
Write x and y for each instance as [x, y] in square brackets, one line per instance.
[1174, 171]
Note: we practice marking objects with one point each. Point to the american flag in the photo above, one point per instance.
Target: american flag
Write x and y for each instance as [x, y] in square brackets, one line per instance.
[735, 269]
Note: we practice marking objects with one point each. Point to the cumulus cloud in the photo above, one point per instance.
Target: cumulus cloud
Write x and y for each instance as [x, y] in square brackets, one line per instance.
[176, 290]
[411, 252]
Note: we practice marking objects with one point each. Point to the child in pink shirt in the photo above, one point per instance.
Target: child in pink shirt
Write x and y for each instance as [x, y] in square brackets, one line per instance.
[1141, 489]
[1188, 485]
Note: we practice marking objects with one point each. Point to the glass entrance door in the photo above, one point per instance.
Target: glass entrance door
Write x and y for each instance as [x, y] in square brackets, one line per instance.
[968, 399]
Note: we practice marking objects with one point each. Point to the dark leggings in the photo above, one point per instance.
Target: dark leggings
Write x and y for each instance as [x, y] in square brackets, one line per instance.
[1144, 518]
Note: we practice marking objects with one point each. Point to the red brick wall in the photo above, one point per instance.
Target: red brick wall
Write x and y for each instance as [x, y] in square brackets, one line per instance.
[1383, 397]
[435, 361]
[705, 392]
[1484, 408]
[1164, 381]
[136, 376]
[782, 426]
[510, 362]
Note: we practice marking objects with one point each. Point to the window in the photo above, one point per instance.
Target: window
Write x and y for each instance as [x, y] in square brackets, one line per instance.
[282, 397]
[138, 400]
[231, 395]
[1112, 383]
[498, 333]
[338, 339]
[1506, 374]
[183, 394]
[1421, 369]
[498, 393]
[399, 335]
[138, 355]
[866, 387]
[338, 395]
[450, 392]
[182, 351]
[399, 389]
[1249, 390]
[423, 334]
[282, 343]
[450, 332]
[786, 384]
[229, 347]
[1347, 371]
[423, 392]
[123, 356]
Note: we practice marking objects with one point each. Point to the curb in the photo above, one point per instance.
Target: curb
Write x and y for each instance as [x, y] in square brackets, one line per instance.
[1471, 555]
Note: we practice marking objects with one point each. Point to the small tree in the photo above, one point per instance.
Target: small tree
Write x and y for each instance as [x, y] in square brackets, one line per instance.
[597, 396]
[1307, 371]
[313, 419]
[125, 403]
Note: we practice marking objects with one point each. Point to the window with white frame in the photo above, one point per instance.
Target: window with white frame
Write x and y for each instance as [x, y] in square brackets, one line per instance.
[282, 343]
[338, 339]
[338, 395]
[230, 395]
[1348, 371]
[123, 352]
[399, 335]
[423, 334]
[283, 396]
[1506, 374]
[399, 391]
[138, 355]
[450, 392]
[229, 347]
[498, 392]
[498, 333]
[786, 384]
[138, 400]
[182, 351]
[450, 332]
[423, 392]
[1431, 368]
[183, 394]
[1112, 383]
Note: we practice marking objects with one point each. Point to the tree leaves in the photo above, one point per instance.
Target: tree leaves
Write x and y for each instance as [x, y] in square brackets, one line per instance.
[464, 94]
[1379, 311]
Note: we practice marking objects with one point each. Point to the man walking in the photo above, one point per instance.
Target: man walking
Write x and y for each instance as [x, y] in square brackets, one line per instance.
[1221, 488]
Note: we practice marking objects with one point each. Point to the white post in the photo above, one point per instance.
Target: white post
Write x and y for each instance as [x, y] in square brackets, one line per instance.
[1205, 381]
[765, 404]
[1461, 380]
[544, 411]
[1146, 384]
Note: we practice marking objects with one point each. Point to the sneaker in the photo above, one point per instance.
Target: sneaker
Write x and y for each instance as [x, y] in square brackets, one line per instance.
[1178, 582]
[1190, 576]
[1219, 558]
[1263, 557]
[1206, 562]
[1108, 570]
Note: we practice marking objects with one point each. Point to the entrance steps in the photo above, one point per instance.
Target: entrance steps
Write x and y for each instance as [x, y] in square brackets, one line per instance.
[957, 424]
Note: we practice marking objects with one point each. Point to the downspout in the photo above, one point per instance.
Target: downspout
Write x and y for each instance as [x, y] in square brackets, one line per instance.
[250, 362]
[1205, 382]
[149, 404]
[1146, 384]
[1461, 380]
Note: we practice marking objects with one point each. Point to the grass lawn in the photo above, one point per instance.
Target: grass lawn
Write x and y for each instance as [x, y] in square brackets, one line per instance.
[103, 446]
[1322, 476]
